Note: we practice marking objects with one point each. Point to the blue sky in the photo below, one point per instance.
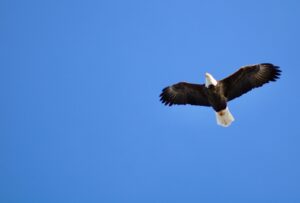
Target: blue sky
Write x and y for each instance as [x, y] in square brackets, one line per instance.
[80, 116]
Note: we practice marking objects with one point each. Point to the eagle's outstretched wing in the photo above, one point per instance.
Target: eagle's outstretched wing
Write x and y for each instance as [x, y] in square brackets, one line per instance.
[184, 93]
[247, 78]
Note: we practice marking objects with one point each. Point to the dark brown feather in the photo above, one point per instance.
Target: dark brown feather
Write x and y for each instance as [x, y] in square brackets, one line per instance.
[247, 78]
[184, 93]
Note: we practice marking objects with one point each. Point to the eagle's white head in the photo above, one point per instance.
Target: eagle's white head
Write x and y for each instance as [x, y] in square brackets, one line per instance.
[210, 80]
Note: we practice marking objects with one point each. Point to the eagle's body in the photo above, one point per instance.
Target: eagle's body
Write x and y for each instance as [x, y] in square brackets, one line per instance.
[217, 93]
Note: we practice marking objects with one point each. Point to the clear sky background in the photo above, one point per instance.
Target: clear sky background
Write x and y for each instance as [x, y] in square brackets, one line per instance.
[80, 117]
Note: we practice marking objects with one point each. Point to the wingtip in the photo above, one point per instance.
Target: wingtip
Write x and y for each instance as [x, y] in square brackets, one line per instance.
[275, 70]
[277, 73]
[164, 97]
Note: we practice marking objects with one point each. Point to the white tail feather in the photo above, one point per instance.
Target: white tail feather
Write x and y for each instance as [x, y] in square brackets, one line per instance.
[224, 117]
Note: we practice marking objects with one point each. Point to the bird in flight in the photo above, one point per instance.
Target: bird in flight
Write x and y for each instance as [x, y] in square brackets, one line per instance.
[217, 93]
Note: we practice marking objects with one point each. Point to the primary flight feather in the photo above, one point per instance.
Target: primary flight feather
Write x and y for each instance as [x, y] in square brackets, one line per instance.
[217, 93]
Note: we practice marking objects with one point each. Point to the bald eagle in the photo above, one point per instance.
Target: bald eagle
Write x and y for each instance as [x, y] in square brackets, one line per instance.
[217, 94]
